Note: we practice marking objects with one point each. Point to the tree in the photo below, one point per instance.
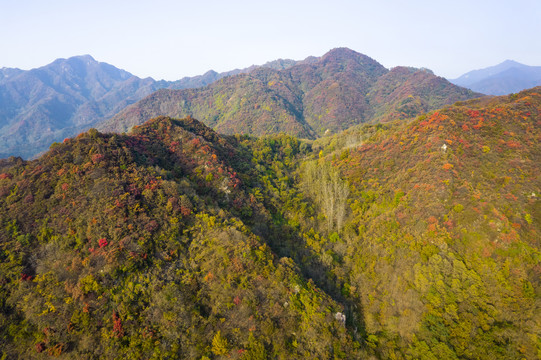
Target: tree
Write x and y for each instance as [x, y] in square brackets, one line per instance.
[324, 184]
[220, 346]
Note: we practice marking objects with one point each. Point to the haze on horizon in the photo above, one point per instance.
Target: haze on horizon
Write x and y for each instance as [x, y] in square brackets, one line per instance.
[169, 39]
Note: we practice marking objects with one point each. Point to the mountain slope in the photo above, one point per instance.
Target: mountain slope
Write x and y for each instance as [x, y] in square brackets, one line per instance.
[211, 76]
[402, 240]
[407, 92]
[505, 78]
[145, 246]
[309, 99]
[441, 247]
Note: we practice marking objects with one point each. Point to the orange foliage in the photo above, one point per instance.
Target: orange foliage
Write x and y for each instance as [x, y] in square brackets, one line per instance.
[513, 144]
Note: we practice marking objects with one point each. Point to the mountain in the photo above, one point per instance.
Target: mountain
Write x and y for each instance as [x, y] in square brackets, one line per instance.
[6, 73]
[154, 244]
[59, 100]
[396, 240]
[443, 234]
[50, 103]
[505, 78]
[306, 98]
[211, 76]
[309, 99]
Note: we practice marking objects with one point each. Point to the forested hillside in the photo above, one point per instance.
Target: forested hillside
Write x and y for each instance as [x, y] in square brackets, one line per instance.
[154, 245]
[402, 240]
[441, 247]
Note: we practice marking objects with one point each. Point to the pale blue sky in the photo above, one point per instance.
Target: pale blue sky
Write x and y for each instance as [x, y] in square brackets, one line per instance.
[172, 39]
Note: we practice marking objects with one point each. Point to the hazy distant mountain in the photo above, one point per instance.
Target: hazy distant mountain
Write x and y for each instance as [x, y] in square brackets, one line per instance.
[59, 100]
[6, 73]
[505, 78]
[309, 99]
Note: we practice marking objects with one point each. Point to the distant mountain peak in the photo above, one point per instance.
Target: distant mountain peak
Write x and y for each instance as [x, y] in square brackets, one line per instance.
[342, 53]
[509, 62]
[507, 77]
[345, 58]
[84, 57]
[69, 95]
[341, 89]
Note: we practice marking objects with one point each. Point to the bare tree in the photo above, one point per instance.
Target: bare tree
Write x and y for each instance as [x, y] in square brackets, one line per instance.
[324, 184]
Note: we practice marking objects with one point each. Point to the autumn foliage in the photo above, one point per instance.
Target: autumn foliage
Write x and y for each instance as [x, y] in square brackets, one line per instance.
[176, 242]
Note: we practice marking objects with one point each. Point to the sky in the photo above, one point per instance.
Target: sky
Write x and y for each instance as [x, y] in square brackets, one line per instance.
[167, 39]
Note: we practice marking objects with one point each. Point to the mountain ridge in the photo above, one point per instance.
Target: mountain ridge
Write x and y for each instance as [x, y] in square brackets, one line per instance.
[308, 99]
[49, 103]
[55, 101]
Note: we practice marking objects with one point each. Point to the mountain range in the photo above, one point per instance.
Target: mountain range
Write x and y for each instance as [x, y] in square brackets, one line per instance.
[505, 78]
[401, 240]
[341, 89]
[40, 106]
[305, 98]
[59, 100]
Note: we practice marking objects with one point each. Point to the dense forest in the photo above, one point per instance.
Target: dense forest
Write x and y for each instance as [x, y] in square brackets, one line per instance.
[405, 240]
